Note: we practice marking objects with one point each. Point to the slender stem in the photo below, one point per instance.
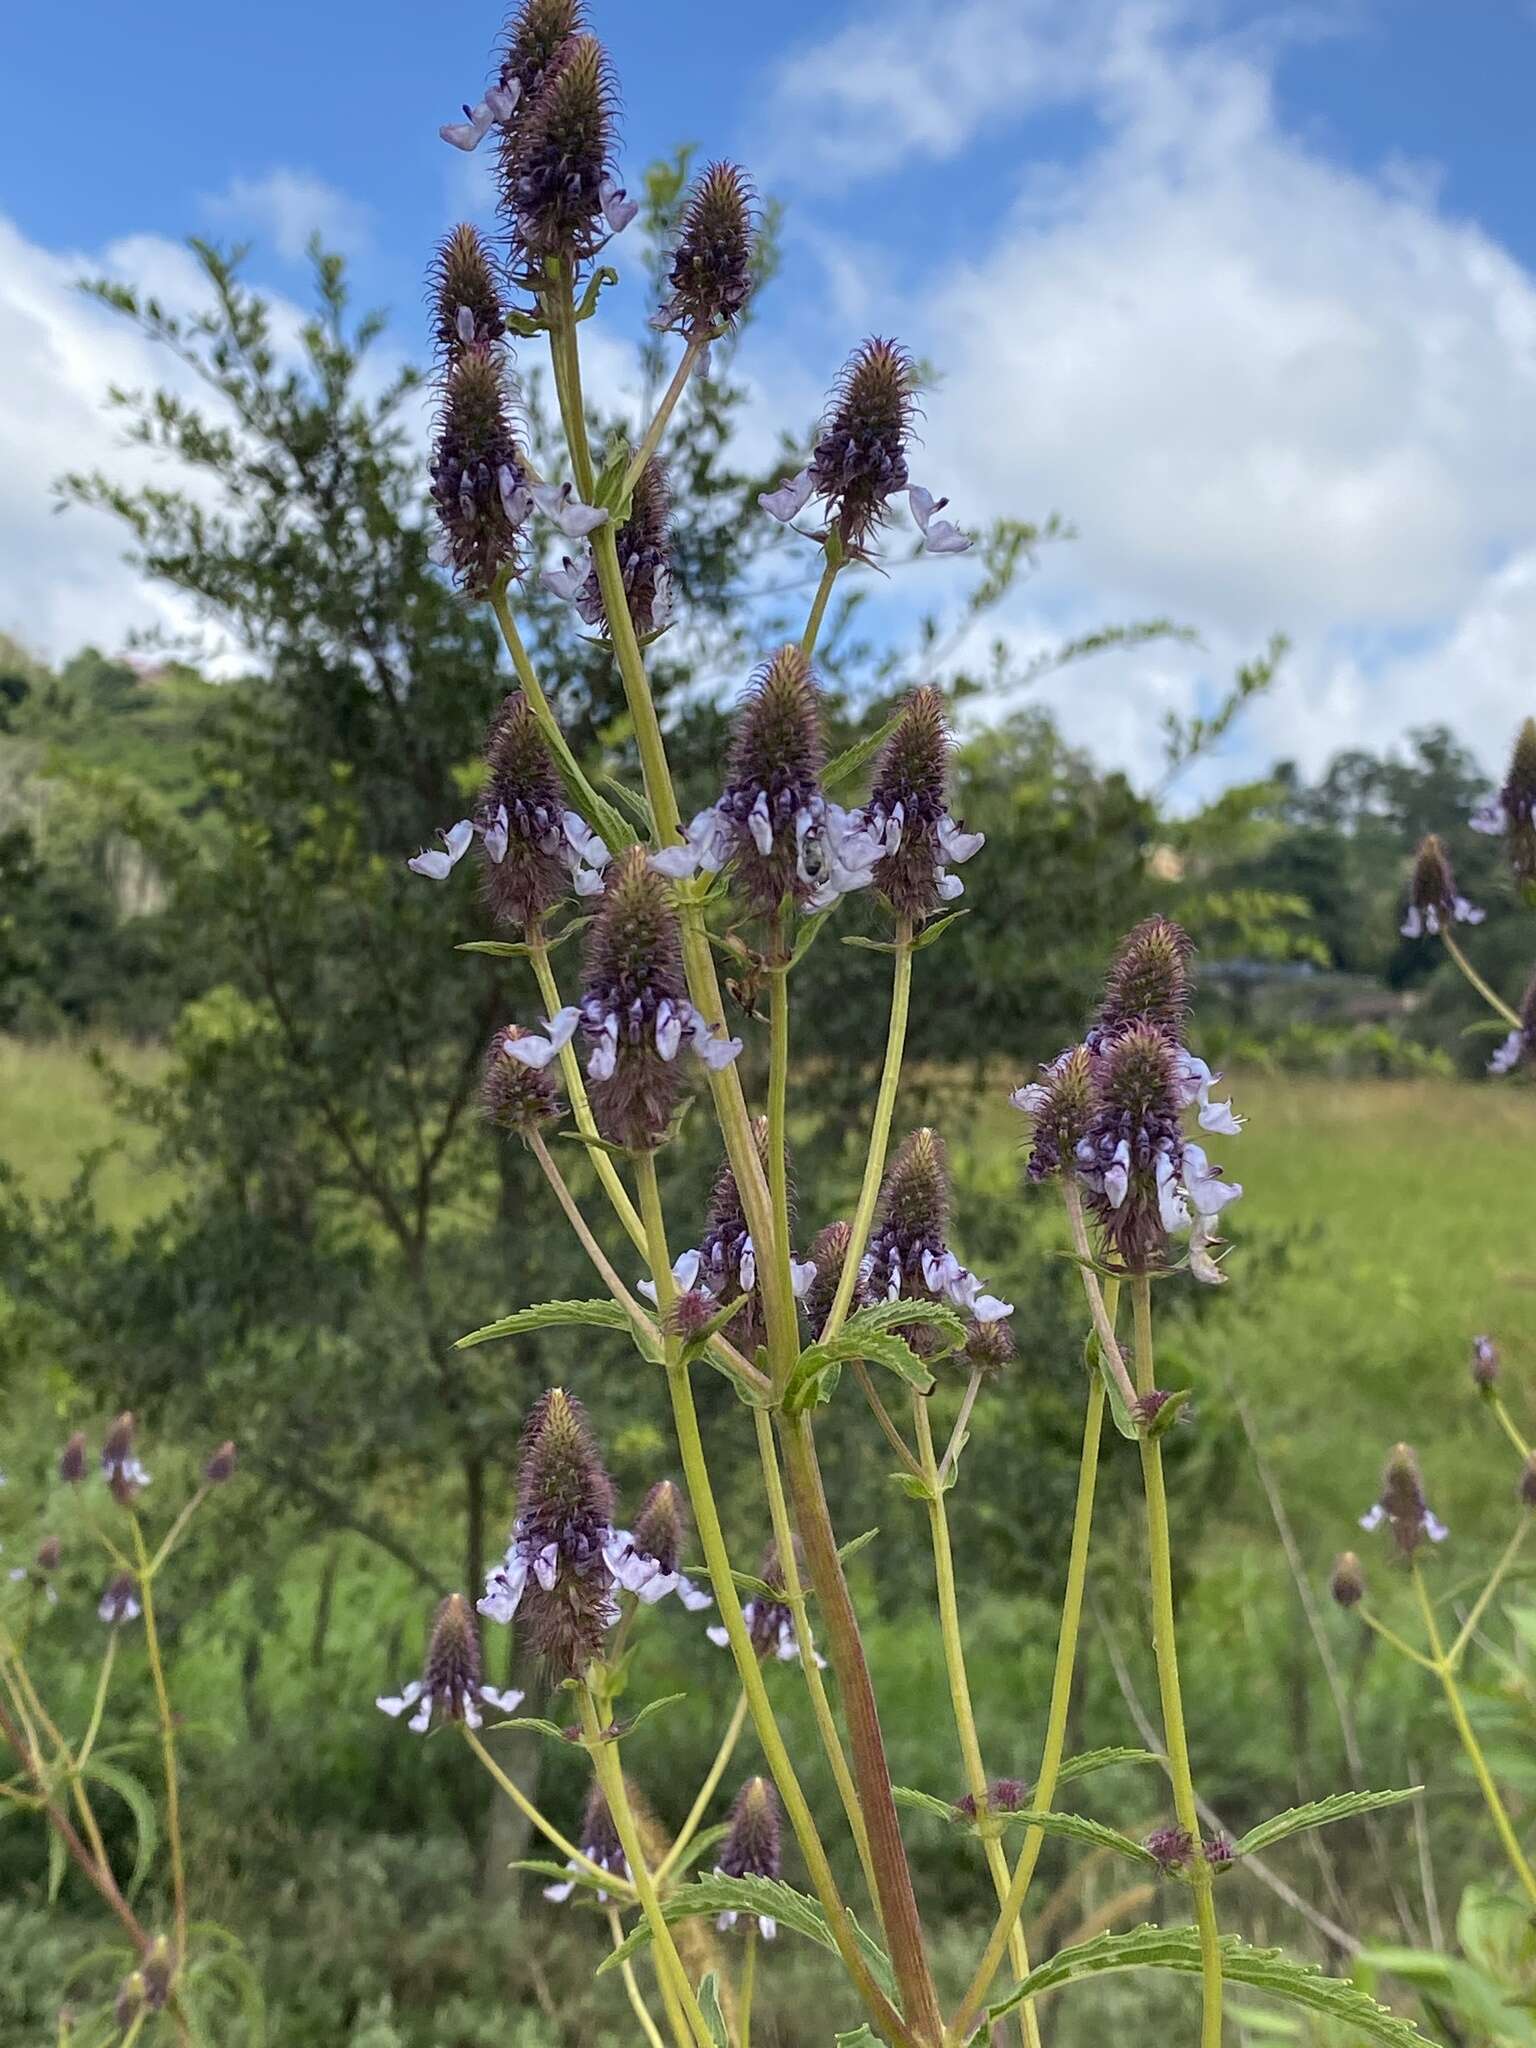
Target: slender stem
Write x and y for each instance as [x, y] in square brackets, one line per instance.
[747, 1986]
[778, 1118]
[664, 411]
[1470, 1743]
[174, 1533]
[706, 1514]
[1403, 1649]
[960, 1699]
[1103, 1328]
[880, 1130]
[547, 1828]
[962, 1423]
[1056, 1719]
[540, 705]
[576, 1088]
[1480, 1606]
[99, 1706]
[812, 631]
[167, 1741]
[845, 1645]
[1507, 1424]
[700, 1806]
[794, 1593]
[676, 1990]
[590, 1245]
[632, 1986]
[1495, 1003]
[1165, 1647]
[881, 1413]
[29, 1708]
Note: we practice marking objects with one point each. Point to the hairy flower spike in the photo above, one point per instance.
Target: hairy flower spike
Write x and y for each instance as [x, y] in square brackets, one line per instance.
[1485, 1362]
[449, 1688]
[634, 989]
[559, 197]
[1401, 1504]
[599, 1843]
[220, 1467]
[515, 1096]
[769, 1619]
[908, 1254]
[120, 1464]
[1347, 1584]
[711, 275]
[1148, 981]
[772, 791]
[530, 39]
[1061, 1106]
[1433, 900]
[521, 815]
[644, 544]
[752, 1846]
[467, 312]
[861, 457]
[73, 1459]
[829, 1254]
[479, 484]
[723, 1264]
[1519, 1048]
[1512, 813]
[645, 1559]
[908, 812]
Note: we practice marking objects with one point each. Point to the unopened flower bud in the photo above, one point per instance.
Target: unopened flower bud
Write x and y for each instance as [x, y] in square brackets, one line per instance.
[73, 1460]
[752, 1846]
[691, 1312]
[1219, 1853]
[50, 1553]
[120, 1601]
[988, 1347]
[829, 1254]
[1485, 1362]
[466, 301]
[479, 484]
[1347, 1585]
[1171, 1847]
[660, 1525]
[1434, 903]
[221, 1465]
[1148, 981]
[711, 275]
[157, 1971]
[130, 2000]
[559, 196]
[1004, 1795]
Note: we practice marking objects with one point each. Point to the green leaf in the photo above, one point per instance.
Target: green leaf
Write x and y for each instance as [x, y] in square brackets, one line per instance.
[809, 933]
[936, 927]
[1320, 1813]
[763, 1895]
[651, 1707]
[898, 1315]
[231, 1965]
[1095, 1361]
[560, 1873]
[844, 766]
[855, 1544]
[871, 945]
[57, 1854]
[862, 2038]
[697, 1345]
[1473, 1995]
[136, 1798]
[1091, 1760]
[632, 802]
[551, 1315]
[1261, 1969]
[709, 2006]
[1074, 1827]
[498, 949]
[536, 1726]
[924, 1802]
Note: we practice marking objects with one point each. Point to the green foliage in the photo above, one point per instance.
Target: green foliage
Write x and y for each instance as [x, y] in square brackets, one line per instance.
[1318, 1813]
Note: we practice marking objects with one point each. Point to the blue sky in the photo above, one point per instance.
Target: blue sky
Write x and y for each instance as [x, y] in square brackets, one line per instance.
[1246, 292]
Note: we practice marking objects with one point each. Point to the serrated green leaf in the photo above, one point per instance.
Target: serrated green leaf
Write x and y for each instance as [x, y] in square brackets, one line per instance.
[652, 1707]
[878, 1347]
[1073, 1827]
[1318, 1813]
[145, 1819]
[709, 2006]
[1261, 1969]
[855, 1544]
[924, 1802]
[1091, 1760]
[936, 927]
[844, 766]
[1468, 1991]
[870, 945]
[497, 949]
[898, 1315]
[551, 1315]
[768, 1896]
[536, 1726]
[632, 802]
[809, 933]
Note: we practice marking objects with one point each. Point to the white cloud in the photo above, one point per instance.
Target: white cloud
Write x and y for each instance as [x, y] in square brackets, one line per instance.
[288, 208]
[1270, 390]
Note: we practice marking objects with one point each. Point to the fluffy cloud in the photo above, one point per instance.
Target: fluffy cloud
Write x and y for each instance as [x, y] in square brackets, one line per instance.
[287, 208]
[1270, 390]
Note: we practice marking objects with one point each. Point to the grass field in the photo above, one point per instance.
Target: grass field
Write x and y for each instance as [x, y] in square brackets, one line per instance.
[54, 1109]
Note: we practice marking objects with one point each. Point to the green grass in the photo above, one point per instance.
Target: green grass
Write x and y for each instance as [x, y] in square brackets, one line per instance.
[54, 1109]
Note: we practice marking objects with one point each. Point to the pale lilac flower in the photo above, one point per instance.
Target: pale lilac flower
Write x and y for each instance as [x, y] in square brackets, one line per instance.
[439, 865]
[449, 1686]
[1194, 1082]
[535, 1049]
[649, 1578]
[600, 1844]
[940, 536]
[120, 1601]
[1509, 1053]
[789, 498]
[1417, 922]
[495, 110]
[617, 206]
[772, 1629]
[559, 503]
[569, 579]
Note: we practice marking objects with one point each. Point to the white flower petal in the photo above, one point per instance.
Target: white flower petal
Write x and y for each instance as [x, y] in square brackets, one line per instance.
[438, 864]
[958, 845]
[1373, 1517]
[536, 1050]
[760, 825]
[618, 208]
[788, 498]
[719, 1636]
[574, 519]
[802, 1274]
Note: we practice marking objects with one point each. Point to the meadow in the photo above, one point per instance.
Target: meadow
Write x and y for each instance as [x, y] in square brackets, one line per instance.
[1372, 1245]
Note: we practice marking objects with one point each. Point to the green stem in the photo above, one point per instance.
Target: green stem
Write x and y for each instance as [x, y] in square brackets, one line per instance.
[881, 1413]
[167, 1742]
[717, 1559]
[880, 1130]
[99, 1706]
[1165, 1647]
[676, 1991]
[1507, 1424]
[571, 769]
[747, 1986]
[812, 631]
[794, 1592]
[1056, 1719]
[636, 1996]
[1495, 1003]
[576, 1088]
[547, 1828]
[778, 1120]
[700, 1806]
[962, 1423]
[664, 411]
[960, 1698]
[1403, 1649]
[174, 1533]
[1480, 1606]
[1471, 1745]
[1103, 1322]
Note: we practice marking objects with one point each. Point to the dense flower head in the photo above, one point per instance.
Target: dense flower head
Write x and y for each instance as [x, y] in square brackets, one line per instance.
[753, 1845]
[120, 1463]
[1347, 1582]
[533, 849]
[1148, 981]
[1171, 1848]
[772, 797]
[220, 1466]
[467, 312]
[530, 38]
[634, 989]
[723, 1264]
[559, 194]
[479, 483]
[516, 1097]
[556, 1569]
[120, 1601]
[1003, 1795]
[987, 1346]
[1485, 1362]
[74, 1459]
[908, 815]
[711, 279]
[645, 1560]
[909, 1257]
[1512, 812]
[599, 1843]
[644, 544]
[50, 1554]
[769, 1618]
[829, 1254]
[449, 1688]
[1519, 1048]
[1060, 1105]
[1401, 1505]
[1434, 902]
